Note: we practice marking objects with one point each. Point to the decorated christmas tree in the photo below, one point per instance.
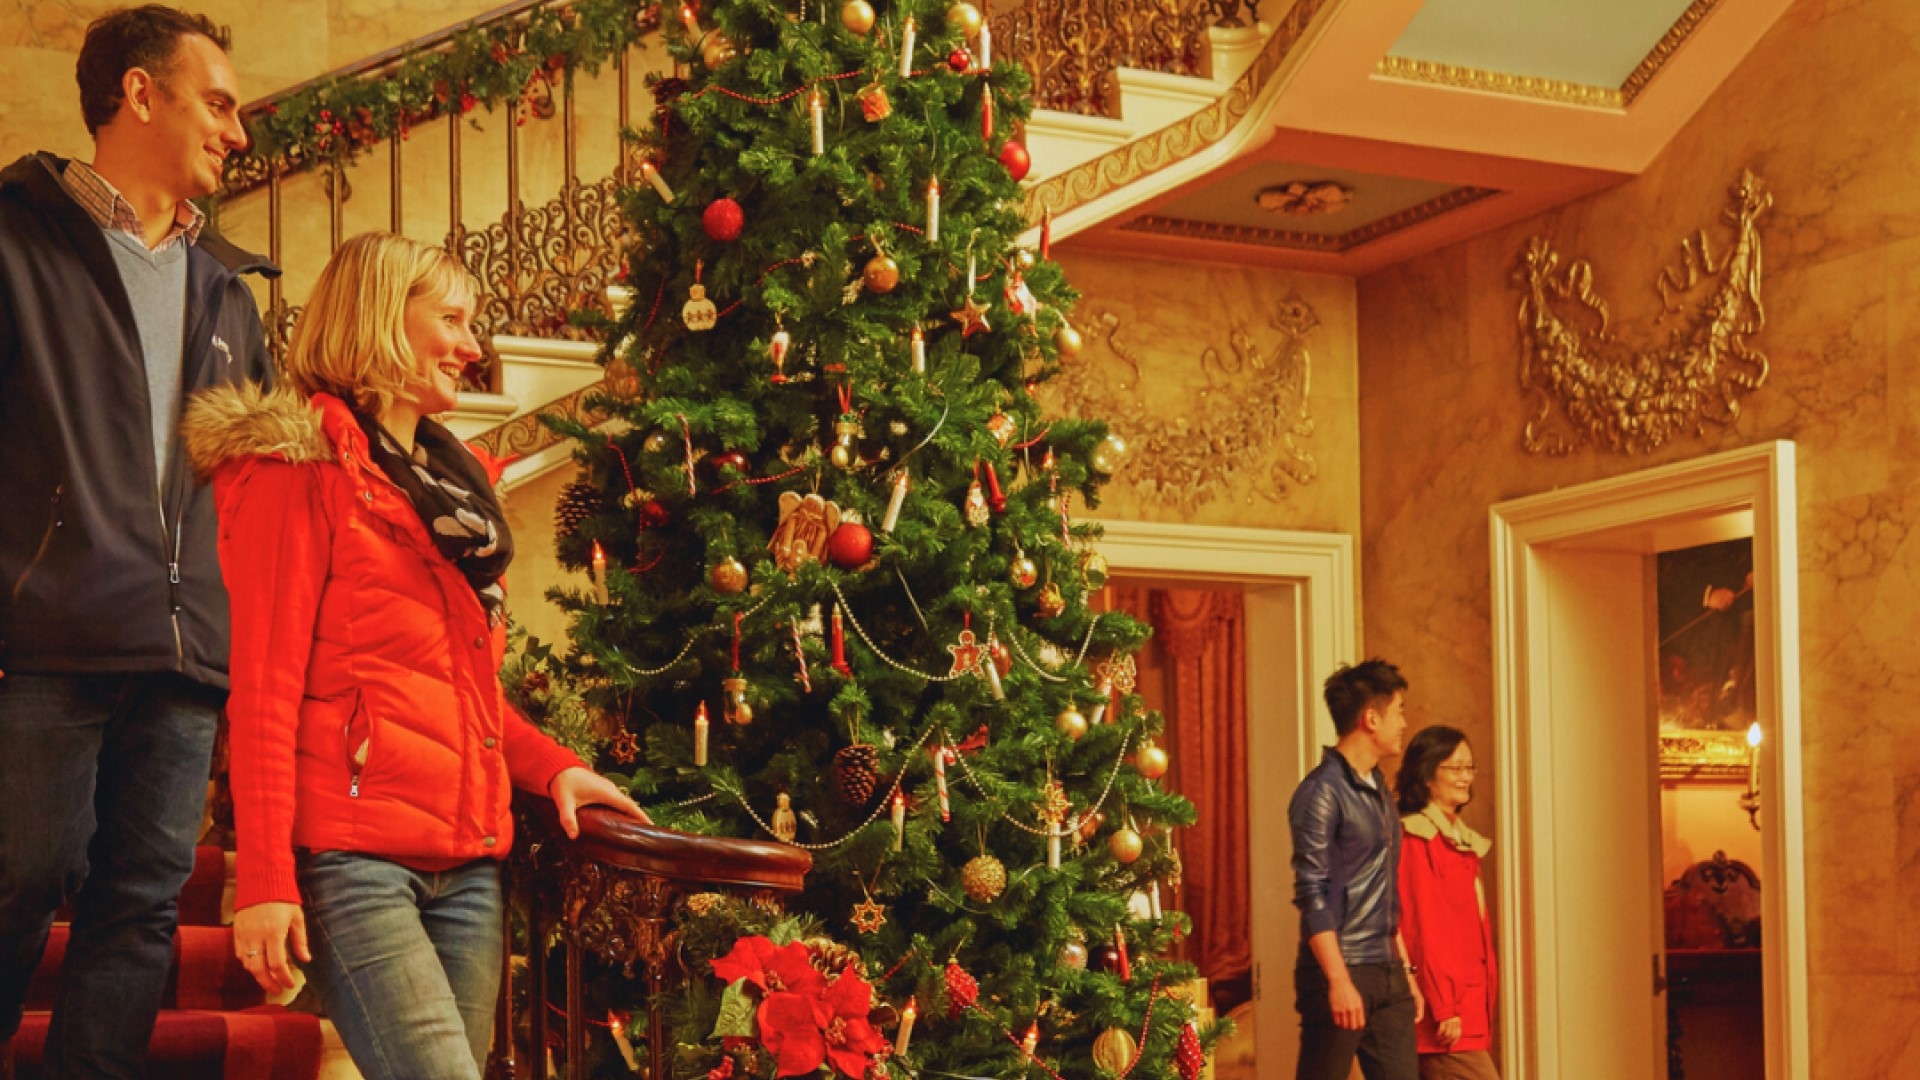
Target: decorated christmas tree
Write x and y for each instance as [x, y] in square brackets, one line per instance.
[833, 591]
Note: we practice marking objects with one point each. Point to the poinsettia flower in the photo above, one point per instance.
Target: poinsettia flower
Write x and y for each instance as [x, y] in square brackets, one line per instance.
[851, 1039]
[790, 1033]
[769, 967]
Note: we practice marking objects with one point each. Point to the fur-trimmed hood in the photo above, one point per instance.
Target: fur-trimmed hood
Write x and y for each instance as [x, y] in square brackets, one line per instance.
[233, 422]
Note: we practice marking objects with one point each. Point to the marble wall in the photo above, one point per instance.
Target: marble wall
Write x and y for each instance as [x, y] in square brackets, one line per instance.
[1818, 111]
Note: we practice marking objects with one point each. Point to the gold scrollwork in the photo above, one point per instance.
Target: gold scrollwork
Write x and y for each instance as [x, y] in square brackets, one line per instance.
[1072, 48]
[559, 258]
[1635, 399]
[1251, 418]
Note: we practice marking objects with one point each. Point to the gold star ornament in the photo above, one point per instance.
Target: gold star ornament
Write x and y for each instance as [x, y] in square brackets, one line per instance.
[869, 917]
[972, 317]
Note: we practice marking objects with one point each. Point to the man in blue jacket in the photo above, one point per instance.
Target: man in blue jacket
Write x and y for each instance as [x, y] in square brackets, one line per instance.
[1354, 989]
[115, 305]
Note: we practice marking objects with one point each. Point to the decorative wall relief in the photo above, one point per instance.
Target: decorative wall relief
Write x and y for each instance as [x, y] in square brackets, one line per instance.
[1590, 387]
[1249, 416]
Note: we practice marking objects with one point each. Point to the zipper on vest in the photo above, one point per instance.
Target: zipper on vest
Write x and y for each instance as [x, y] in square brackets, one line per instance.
[46, 542]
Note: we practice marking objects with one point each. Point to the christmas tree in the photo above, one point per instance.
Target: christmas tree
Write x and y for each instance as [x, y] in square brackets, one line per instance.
[836, 593]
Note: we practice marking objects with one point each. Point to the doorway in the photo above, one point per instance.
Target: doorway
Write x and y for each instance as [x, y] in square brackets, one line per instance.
[1300, 599]
[1576, 706]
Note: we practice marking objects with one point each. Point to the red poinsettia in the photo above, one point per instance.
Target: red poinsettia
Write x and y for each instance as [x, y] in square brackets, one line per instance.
[802, 1030]
[771, 967]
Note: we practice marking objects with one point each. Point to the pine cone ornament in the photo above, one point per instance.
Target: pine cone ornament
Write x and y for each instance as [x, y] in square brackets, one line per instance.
[577, 503]
[857, 768]
[828, 956]
[1187, 1053]
[962, 989]
[984, 878]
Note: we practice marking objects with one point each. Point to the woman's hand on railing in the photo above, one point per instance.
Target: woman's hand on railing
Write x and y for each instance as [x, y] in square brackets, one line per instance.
[578, 787]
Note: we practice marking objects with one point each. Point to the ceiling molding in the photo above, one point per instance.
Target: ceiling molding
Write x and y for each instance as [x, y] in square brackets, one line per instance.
[1291, 240]
[1538, 88]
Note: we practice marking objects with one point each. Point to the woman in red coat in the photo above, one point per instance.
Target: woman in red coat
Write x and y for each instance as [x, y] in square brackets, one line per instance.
[1443, 919]
[374, 755]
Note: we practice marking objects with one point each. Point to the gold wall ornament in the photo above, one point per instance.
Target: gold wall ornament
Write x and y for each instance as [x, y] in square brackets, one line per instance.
[538, 265]
[1589, 387]
[1249, 420]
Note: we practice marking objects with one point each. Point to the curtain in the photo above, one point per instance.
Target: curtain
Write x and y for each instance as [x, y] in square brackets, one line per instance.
[1199, 647]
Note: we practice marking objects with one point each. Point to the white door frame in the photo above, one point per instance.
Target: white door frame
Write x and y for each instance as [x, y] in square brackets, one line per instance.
[1759, 480]
[1302, 622]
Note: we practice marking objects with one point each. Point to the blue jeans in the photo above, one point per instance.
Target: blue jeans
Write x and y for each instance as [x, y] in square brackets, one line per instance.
[408, 962]
[105, 780]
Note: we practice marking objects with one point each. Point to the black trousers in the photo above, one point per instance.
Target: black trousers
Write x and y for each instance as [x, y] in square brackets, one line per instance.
[1385, 1045]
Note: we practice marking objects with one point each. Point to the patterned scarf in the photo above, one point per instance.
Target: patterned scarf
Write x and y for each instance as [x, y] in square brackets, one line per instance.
[450, 492]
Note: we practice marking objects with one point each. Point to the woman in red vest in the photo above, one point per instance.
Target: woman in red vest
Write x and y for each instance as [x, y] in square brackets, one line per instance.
[374, 755]
[1443, 908]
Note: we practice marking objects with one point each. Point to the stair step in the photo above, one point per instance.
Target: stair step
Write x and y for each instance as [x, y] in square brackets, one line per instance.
[202, 900]
[205, 974]
[262, 1043]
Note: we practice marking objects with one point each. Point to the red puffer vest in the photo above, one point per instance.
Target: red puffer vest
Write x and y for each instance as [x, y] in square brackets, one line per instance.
[366, 711]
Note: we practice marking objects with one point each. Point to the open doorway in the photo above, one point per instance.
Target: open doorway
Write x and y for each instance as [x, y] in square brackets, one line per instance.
[1298, 600]
[1578, 679]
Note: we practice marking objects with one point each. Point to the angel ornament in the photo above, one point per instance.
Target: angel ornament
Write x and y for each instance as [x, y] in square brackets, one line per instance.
[785, 826]
[805, 523]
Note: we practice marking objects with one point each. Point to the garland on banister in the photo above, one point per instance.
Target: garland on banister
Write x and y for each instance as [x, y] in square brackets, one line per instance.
[482, 66]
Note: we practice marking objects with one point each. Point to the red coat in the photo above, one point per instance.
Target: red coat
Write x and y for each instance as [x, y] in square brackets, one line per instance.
[1449, 937]
[366, 711]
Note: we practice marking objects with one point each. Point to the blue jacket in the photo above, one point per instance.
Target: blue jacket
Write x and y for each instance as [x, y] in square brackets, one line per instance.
[100, 570]
[1346, 861]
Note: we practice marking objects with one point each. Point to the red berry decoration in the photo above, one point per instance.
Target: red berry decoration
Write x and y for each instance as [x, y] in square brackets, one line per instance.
[730, 459]
[962, 990]
[850, 546]
[723, 220]
[653, 514]
[959, 60]
[1188, 1055]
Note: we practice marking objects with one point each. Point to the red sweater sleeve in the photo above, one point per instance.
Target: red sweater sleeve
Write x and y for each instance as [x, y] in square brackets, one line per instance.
[1421, 923]
[533, 758]
[275, 544]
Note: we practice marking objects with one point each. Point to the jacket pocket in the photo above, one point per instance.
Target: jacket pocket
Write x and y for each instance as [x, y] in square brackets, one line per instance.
[357, 736]
[46, 543]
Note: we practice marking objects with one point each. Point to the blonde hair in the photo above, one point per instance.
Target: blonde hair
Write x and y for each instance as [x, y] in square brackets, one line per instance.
[351, 339]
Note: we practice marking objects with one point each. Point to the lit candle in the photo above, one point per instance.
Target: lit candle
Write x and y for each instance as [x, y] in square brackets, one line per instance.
[907, 1016]
[894, 503]
[1753, 757]
[985, 60]
[906, 49]
[933, 210]
[818, 114]
[689, 20]
[899, 821]
[1031, 1040]
[599, 573]
[659, 182]
[919, 352]
[940, 782]
[700, 735]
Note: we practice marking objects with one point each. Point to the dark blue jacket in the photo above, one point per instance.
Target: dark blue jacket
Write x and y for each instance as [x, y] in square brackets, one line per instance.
[1346, 861]
[100, 570]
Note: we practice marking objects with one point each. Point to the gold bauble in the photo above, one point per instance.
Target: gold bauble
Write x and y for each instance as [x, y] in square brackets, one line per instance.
[735, 707]
[984, 878]
[1089, 825]
[843, 455]
[1093, 566]
[1024, 257]
[1126, 845]
[965, 18]
[1070, 722]
[1107, 456]
[1151, 762]
[1068, 341]
[728, 576]
[1074, 955]
[715, 50]
[656, 443]
[1024, 572]
[881, 274]
[1113, 1050]
[857, 16]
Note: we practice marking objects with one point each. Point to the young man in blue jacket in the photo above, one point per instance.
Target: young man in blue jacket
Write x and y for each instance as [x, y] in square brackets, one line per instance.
[1354, 989]
[116, 304]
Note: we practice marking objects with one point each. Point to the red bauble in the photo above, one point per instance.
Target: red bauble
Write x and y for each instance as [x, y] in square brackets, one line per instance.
[850, 546]
[730, 459]
[959, 60]
[653, 514]
[962, 989]
[1188, 1055]
[1015, 158]
[723, 219]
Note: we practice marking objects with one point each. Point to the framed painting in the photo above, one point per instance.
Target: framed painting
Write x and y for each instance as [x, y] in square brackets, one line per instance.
[1705, 658]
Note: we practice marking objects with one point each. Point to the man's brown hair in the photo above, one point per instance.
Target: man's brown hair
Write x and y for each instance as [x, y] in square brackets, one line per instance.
[145, 37]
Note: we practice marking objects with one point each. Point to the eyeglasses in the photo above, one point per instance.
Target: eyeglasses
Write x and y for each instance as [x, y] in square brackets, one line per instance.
[1458, 770]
